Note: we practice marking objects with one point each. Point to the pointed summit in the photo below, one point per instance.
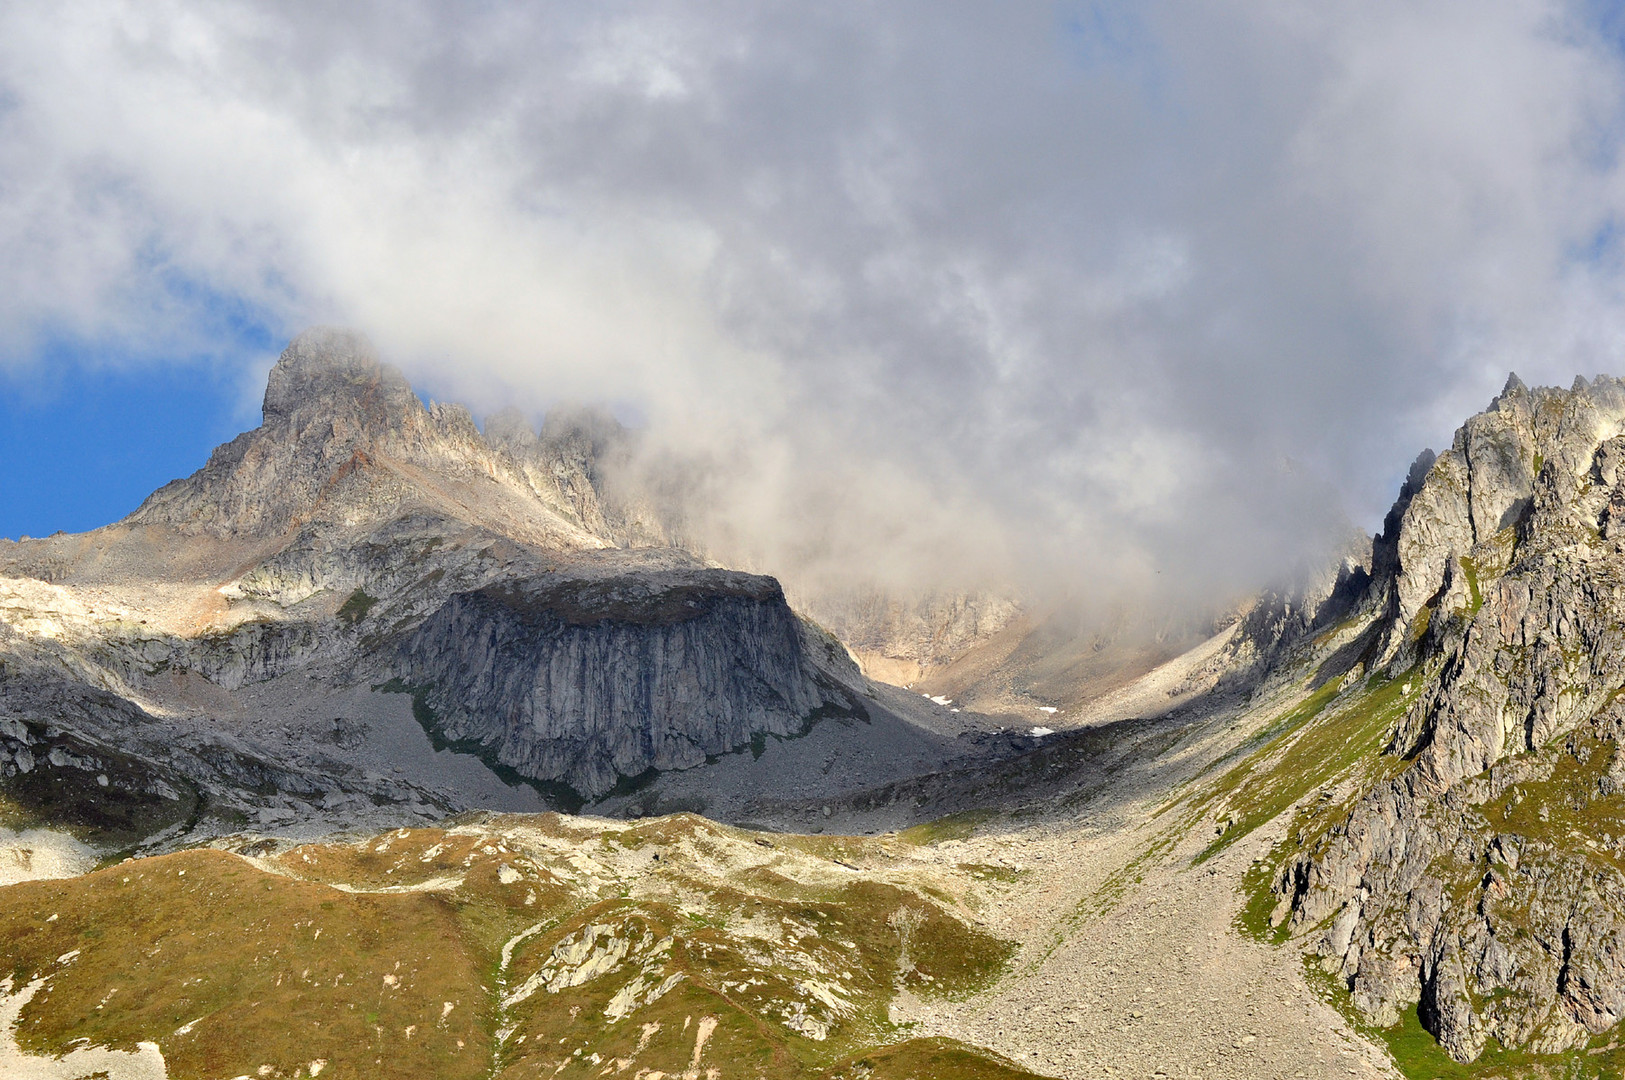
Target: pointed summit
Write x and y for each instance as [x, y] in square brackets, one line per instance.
[347, 444]
[330, 367]
[1514, 384]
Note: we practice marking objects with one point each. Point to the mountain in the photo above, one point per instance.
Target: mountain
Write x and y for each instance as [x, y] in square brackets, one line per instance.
[367, 610]
[343, 677]
[256, 737]
[1457, 846]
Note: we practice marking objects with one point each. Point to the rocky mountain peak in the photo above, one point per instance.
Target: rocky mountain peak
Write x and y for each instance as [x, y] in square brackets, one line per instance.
[346, 442]
[330, 369]
[1477, 878]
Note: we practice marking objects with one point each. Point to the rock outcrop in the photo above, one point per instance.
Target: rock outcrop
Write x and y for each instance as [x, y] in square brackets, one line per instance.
[1482, 880]
[365, 538]
[588, 680]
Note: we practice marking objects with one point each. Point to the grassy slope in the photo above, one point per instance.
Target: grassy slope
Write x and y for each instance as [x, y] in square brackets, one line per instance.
[232, 966]
[1324, 739]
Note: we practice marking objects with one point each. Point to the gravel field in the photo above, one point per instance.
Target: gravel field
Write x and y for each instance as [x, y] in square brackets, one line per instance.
[1161, 985]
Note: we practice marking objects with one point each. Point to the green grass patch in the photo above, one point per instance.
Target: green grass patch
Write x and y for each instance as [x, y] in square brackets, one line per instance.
[959, 826]
[936, 1058]
[1306, 750]
[205, 939]
[1567, 809]
[1258, 901]
[354, 609]
[1469, 570]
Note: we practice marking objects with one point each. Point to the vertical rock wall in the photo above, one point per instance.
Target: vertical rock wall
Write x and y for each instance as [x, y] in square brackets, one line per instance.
[586, 681]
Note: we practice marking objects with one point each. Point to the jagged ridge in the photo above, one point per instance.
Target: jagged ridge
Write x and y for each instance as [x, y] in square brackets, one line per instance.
[1480, 876]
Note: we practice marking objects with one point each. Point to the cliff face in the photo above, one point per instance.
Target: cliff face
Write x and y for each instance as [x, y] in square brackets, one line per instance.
[1482, 876]
[587, 681]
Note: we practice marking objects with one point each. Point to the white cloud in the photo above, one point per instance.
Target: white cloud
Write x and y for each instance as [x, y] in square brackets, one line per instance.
[930, 285]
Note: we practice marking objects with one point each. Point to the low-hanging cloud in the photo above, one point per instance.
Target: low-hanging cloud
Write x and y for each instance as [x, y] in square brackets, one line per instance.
[1129, 296]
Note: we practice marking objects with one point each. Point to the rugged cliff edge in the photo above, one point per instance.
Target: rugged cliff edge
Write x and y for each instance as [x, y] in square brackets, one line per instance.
[359, 538]
[1475, 869]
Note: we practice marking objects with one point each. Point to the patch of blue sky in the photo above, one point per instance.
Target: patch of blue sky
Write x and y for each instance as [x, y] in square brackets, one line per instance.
[1111, 37]
[1603, 249]
[1606, 19]
[1599, 26]
[1105, 32]
[89, 428]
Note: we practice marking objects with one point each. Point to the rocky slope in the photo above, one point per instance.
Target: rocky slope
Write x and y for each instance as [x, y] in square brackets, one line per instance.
[1472, 869]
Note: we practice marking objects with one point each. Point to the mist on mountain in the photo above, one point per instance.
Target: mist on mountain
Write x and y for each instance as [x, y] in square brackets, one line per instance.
[1136, 302]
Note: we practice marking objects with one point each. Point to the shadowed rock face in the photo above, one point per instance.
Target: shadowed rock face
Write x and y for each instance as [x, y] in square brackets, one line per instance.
[589, 680]
[1485, 882]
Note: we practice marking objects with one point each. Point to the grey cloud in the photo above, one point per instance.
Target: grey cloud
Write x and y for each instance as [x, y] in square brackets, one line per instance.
[1130, 296]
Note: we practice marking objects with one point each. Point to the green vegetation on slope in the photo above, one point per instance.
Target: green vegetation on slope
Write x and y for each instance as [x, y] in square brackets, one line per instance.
[1418, 1056]
[229, 968]
[958, 826]
[922, 1058]
[1559, 809]
[1319, 742]
[355, 608]
[524, 946]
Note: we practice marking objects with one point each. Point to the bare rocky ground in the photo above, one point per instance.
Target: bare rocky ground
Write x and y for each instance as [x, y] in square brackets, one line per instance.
[1160, 985]
[1131, 962]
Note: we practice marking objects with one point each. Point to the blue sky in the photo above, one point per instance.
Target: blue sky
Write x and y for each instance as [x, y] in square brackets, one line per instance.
[84, 440]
